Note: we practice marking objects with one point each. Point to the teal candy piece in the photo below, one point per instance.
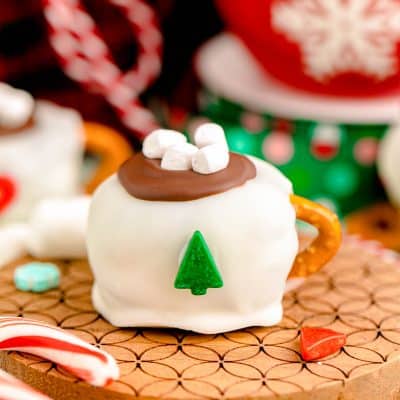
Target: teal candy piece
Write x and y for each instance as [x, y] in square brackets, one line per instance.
[198, 270]
[37, 277]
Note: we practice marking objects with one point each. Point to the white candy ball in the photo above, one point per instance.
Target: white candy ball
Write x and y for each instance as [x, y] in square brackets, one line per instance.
[155, 144]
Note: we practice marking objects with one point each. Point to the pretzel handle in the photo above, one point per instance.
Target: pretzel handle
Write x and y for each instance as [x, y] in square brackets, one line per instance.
[111, 148]
[325, 245]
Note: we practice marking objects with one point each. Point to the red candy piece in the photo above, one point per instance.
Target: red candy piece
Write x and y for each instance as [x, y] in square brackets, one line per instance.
[316, 343]
[7, 192]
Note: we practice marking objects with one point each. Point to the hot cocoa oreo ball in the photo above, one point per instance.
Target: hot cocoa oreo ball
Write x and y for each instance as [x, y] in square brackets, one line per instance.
[207, 248]
[142, 224]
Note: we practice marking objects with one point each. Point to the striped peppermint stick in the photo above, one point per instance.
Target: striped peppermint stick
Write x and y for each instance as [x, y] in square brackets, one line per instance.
[73, 354]
[85, 57]
[13, 389]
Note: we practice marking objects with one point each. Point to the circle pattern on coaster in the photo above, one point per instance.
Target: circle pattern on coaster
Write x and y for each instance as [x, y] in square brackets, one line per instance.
[357, 293]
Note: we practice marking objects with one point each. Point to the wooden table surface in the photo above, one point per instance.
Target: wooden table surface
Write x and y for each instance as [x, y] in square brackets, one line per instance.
[358, 293]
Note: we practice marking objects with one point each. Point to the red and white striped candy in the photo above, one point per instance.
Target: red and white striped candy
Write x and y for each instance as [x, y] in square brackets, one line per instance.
[13, 389]
[73, 354]
[85, 57]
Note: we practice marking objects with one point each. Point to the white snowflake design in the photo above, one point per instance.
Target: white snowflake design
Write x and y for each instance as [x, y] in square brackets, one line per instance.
[338, 36]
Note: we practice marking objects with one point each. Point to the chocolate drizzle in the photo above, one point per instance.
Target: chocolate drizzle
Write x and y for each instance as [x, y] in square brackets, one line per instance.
[144, 179]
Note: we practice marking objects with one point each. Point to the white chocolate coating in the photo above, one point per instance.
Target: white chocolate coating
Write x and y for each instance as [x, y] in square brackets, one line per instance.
[57, 228]
[43, 161]
[16, 107]
[134, 249]
[12, 242]
[389, 164]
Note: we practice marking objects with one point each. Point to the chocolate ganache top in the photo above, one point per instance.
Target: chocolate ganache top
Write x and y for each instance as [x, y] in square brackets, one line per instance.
[144, 179]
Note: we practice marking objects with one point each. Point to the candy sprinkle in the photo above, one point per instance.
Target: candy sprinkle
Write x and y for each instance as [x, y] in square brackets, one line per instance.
[37, 277]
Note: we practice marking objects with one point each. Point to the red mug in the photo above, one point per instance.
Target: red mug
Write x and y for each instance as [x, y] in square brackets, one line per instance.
[334, 47]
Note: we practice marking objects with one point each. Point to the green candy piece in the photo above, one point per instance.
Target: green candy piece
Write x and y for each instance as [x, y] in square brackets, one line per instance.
[198, 270]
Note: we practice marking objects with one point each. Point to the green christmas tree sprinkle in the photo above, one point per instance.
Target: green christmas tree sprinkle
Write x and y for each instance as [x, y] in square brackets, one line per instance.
[198, 270]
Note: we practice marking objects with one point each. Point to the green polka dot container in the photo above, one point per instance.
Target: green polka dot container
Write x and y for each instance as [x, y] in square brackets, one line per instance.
[330, 163]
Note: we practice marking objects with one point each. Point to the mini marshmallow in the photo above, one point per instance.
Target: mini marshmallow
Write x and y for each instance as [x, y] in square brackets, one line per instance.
[57, 228]
[155, 145]
[179, 157]
[209, 133]
[16, 107]
[210, 159]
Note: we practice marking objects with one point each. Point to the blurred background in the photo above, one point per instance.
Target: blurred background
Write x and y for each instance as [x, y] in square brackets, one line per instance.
[312, 87]
[28, 61]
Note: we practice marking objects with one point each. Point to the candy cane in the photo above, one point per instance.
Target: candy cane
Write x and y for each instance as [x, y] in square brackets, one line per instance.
[13, 389]
[76, 356]
[85, 57]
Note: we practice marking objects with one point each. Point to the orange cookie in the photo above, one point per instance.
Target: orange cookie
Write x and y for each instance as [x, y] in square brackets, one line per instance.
[380, 222]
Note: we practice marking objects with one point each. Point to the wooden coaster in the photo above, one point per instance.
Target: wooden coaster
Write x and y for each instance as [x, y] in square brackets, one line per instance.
[357, 294]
